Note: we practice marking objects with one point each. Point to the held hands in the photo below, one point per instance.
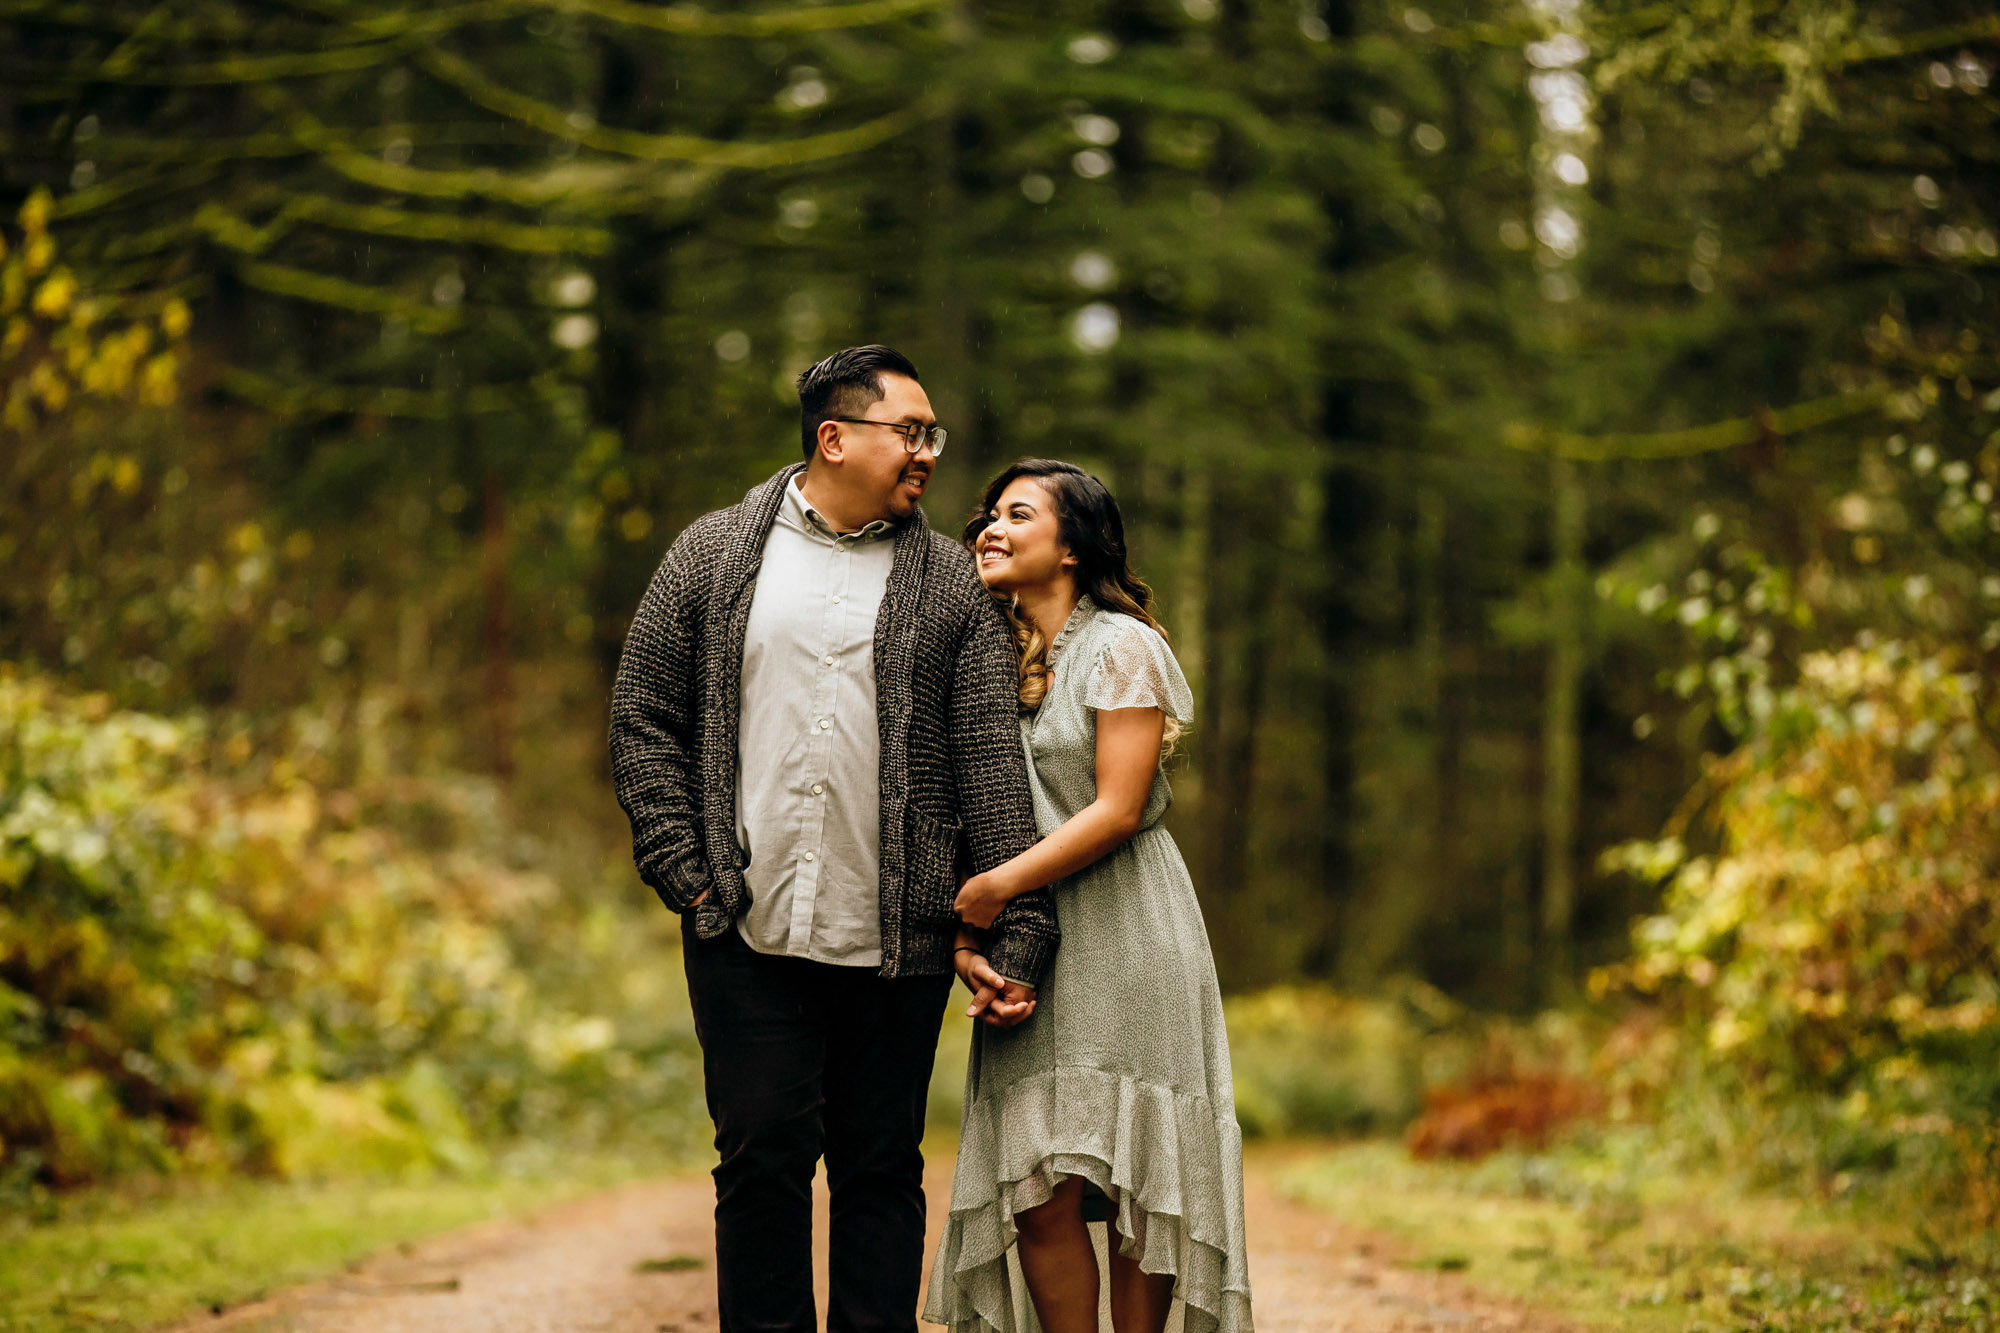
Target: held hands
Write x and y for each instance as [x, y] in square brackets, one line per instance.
[996, 1001]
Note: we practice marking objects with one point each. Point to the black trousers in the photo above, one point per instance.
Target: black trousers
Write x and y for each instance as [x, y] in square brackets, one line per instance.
[803, 1059]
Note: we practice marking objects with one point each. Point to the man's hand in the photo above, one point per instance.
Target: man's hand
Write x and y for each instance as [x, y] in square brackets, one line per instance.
[981, 898]
[996, 1001]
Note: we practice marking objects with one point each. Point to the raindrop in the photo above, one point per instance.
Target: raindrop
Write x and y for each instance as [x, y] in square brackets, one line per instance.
[798, 213]
[1037, 188]
[448, 290]
[1428, 138]
[1927, 191]
[733, 346]
[1201, 11]
[1314, 27]
[1417, 21]
[1570, 169]
[86, 129]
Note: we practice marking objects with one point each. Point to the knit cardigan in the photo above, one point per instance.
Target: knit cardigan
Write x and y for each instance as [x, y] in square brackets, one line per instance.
[954, 778]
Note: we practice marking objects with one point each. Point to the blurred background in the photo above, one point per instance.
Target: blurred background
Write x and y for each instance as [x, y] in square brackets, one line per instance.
[1562, 437]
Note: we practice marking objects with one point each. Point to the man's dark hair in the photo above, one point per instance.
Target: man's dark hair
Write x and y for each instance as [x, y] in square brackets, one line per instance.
[844, 385]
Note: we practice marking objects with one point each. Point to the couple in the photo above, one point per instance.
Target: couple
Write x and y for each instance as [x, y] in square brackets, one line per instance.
[860, 758]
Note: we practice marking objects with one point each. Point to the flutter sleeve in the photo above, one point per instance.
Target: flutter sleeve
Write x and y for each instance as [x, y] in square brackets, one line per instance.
[1136, 669]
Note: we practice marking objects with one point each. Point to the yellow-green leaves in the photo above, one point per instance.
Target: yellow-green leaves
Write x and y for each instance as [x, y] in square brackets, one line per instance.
[58, 341]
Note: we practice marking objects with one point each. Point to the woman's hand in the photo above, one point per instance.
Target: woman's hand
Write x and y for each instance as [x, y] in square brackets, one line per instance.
[996, 1001]
[981, 898]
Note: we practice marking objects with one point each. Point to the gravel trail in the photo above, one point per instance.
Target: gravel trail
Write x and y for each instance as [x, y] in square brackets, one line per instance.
[637, 1260]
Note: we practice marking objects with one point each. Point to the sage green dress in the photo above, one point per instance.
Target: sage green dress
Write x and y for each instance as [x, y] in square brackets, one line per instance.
[1122, 1074]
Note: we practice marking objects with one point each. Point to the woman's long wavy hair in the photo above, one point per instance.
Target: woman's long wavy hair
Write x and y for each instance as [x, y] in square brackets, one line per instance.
[1088, 523]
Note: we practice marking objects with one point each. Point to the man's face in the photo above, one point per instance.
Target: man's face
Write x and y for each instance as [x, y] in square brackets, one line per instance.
[874, 465]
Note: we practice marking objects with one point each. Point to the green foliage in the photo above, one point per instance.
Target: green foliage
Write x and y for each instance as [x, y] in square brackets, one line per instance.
[1618, 1232]
[1837, 953]
[148, 1254]
[208, 961]
[58, 342]
[1308, 1061]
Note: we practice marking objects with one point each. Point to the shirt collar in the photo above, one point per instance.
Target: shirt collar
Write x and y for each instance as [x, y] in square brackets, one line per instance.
[814, 521]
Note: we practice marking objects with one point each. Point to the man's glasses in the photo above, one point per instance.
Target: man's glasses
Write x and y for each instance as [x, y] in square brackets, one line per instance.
[914, 436]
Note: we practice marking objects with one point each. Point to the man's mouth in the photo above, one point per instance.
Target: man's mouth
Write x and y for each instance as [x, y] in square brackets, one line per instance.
[916, 481]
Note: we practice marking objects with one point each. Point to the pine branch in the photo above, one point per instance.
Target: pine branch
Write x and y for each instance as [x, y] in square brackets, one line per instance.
[383, 220]
[691, 22]
[340, 294]
[1922, 42]
[483, 91]
[232, 70]
[384, 401]
[1730, 434]
[379, 220]
[600, 186]
[679, 20]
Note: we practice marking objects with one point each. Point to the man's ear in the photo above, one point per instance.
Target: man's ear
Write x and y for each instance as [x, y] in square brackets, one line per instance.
[830, 445]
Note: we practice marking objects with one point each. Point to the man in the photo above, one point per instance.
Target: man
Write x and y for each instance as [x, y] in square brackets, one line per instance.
[814, 732]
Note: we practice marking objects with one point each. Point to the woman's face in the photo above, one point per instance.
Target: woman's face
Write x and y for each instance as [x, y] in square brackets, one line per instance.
[1021, 546]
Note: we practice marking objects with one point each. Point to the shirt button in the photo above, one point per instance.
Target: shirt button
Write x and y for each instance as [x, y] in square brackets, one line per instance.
[827, 660]
[809, 856]
[826, 724]
[817, 789]
[836, 601]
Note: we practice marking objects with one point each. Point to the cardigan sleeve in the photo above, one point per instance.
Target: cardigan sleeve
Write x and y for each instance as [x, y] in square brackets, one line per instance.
[991, 770]
[654, 721]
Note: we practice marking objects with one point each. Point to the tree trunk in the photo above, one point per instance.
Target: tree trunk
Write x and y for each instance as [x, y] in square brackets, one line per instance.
[496, 635]
[1561, 748]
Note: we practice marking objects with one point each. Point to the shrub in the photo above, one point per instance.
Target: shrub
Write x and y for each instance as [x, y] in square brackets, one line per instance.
[209, 961]
[1837, 959]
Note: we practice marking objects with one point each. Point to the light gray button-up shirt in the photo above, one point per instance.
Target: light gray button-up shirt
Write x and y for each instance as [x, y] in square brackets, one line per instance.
[808, 798]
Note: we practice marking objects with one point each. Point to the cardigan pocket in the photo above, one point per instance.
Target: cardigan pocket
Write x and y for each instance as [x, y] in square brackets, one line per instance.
[930, 868]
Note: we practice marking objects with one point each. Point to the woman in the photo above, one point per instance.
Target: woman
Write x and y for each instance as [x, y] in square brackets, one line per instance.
[1113, 1102]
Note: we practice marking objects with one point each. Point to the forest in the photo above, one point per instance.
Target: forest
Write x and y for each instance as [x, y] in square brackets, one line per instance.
[1562, 435]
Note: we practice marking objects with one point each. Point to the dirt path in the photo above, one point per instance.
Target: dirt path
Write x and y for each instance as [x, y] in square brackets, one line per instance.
[636, 1260]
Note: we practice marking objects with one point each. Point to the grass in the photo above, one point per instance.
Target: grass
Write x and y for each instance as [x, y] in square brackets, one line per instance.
[1615, 1237]
[150, 1253]
[139, 1256]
